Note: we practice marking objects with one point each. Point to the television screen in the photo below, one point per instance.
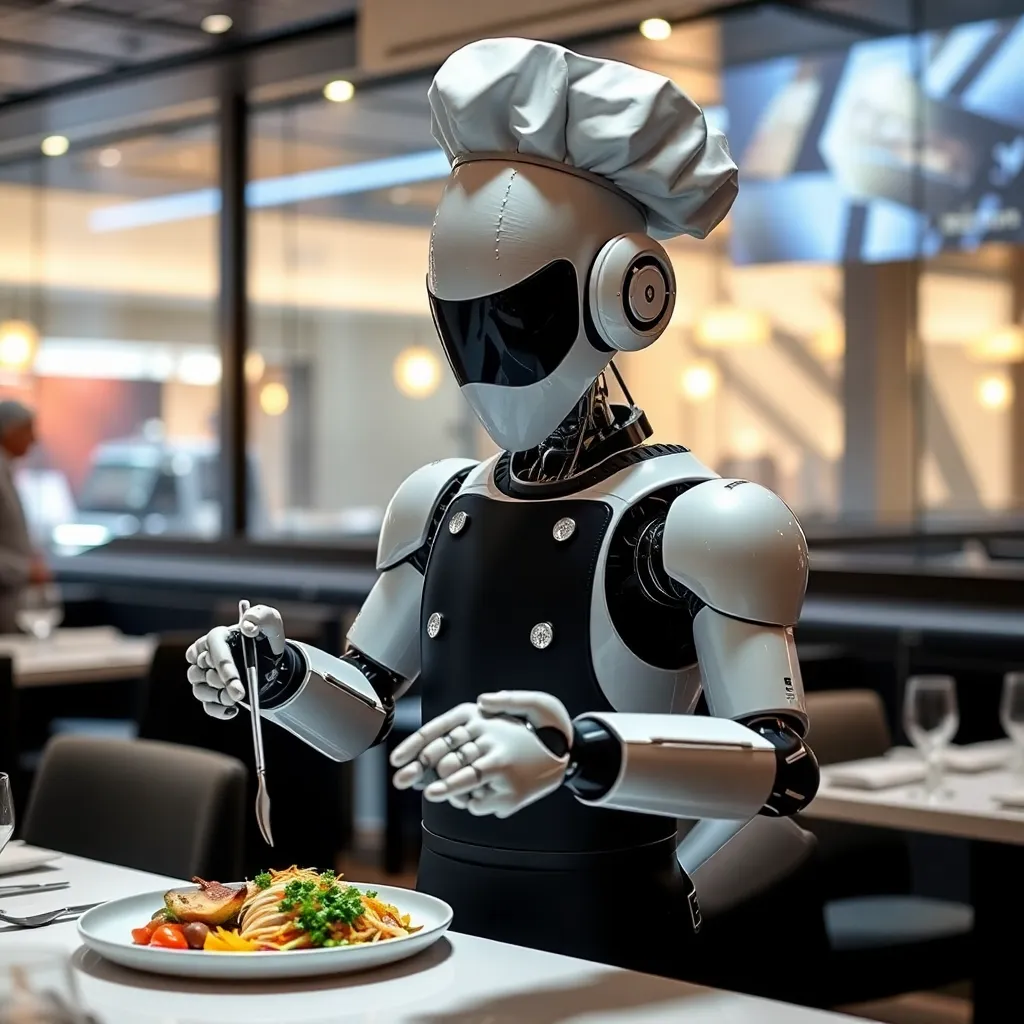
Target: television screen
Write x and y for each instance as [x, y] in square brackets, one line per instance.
[893, 148]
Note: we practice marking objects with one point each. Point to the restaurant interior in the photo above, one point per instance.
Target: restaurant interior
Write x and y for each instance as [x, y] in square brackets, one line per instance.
[214, 227]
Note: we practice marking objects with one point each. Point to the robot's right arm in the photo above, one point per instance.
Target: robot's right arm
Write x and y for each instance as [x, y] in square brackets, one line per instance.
[341, 706]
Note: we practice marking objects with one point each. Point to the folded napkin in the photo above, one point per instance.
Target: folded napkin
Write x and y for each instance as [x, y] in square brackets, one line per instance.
[876, 773]
[17, 857]
[1014, 800]
[965, 759]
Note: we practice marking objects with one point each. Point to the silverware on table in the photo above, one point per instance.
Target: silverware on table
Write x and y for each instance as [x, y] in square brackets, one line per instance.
[32, 888]
[262, 795]
[51, 916]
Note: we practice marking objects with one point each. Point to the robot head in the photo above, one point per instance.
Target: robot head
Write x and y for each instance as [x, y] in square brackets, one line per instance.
[537, 276]
[542, 265]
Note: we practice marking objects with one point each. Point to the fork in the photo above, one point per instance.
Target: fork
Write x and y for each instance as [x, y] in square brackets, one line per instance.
[39, 920]
[262, 795]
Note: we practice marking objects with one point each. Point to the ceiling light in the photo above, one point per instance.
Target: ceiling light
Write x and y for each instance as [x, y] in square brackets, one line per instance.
[1005, 345]
[109, 157]
[255, 366]
[699, 382]
[417, 372]
[656, 29]
[995, 392]
[274, 398]
[54, 145]
[731, 327]
[216, 24]
[339, 91]
[18, 343]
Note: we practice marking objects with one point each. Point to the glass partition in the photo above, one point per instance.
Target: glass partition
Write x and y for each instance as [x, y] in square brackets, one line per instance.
[108, 279]
[349, 390]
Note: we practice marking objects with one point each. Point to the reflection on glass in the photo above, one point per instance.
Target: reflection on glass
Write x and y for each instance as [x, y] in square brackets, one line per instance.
[931, 719]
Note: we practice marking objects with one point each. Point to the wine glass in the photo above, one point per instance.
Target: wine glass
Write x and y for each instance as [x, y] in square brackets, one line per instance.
[1011, 714]
[931, 719]
[38, 986]
[6, 811]
[40, 610]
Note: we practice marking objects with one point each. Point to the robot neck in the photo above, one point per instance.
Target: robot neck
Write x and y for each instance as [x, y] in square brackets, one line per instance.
[594, 430]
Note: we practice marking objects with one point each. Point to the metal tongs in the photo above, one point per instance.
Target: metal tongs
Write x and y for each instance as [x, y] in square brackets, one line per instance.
[252, 679]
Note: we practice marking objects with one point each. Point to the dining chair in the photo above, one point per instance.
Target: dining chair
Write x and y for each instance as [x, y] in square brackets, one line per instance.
[159, 807]
[883, 939]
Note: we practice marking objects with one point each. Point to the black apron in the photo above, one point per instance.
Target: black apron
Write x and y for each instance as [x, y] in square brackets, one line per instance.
[597, 884]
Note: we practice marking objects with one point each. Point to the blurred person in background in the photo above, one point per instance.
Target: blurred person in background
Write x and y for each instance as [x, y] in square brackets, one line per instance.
[20, 564]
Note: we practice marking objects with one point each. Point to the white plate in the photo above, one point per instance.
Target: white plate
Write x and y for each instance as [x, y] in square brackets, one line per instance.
[16, 857]
[107, 931]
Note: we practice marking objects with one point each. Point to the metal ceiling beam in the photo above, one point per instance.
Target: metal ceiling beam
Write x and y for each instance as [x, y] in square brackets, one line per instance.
[181, 62]
[100, 15]
[58, 54]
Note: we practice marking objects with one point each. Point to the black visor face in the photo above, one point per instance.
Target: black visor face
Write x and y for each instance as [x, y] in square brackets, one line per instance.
[514, 337]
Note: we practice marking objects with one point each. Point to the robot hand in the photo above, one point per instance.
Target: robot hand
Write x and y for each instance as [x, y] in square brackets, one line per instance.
[215, 660]
[497, 756]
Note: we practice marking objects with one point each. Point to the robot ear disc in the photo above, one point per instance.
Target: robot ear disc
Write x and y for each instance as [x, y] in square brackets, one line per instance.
[632, 292]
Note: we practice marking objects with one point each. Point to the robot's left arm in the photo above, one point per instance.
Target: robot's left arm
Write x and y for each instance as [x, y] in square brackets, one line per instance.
[735, 552]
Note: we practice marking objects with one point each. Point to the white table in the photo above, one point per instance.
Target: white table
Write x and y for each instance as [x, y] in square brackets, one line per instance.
[78, 656]
[966, 810]
[461, 980]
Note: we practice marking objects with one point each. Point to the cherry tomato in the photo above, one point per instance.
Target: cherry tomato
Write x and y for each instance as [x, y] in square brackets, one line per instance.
[141, 936]
[169, 936]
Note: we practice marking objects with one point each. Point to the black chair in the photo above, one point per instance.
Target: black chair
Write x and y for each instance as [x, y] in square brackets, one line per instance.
[883, 940]
[311, 813]
[157, 807]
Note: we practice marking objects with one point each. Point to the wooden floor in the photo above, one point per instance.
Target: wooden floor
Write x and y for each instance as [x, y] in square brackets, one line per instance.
[912, 1008]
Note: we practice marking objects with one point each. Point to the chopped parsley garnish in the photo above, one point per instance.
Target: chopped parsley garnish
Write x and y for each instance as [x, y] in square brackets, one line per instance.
[372, 893]
[321, 904]
[263, 880]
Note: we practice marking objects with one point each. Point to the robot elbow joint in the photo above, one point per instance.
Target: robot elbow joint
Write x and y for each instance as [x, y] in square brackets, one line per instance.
[796, 768]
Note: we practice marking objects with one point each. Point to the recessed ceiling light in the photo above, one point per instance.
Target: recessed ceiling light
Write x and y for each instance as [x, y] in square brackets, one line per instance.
[339, 91]
[656, 29]
[54, 145]
[109, 157]
[216, 24]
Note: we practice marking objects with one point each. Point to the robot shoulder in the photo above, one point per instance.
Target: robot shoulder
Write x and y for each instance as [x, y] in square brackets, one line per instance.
[411, 512]
[739, 548]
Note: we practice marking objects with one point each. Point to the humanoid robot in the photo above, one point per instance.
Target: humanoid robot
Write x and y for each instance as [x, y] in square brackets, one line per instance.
[565, 603]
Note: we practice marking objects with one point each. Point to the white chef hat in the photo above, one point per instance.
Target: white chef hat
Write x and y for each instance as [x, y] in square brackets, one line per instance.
[637, 129]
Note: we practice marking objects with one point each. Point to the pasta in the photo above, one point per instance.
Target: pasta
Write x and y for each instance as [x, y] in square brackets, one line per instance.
[278, 911]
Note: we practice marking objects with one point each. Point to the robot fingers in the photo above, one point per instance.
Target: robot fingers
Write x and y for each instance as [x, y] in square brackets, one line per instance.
[416, 746]
[465, 780]
[461, 756]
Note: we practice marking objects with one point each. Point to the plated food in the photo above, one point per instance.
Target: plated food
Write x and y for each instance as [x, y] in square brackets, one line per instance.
[278, 911]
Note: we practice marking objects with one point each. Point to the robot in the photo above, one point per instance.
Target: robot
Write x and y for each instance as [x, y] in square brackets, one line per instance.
[565, 603]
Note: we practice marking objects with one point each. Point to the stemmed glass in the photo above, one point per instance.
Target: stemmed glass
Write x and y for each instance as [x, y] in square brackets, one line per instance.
[6, 811]
[931, 719]
[1011, 714]
[40, 610]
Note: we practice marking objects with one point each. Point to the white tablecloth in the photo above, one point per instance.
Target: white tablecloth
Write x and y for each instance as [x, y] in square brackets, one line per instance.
[460, 980]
